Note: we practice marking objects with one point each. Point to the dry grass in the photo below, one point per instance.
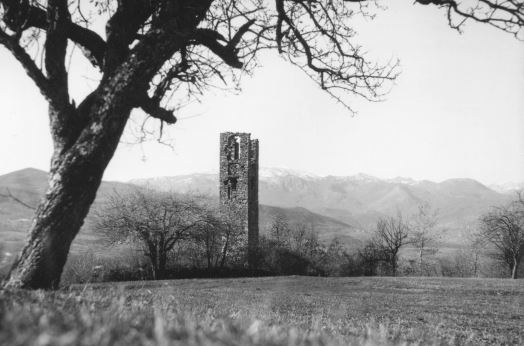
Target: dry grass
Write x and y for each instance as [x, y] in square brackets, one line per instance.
[270, 311]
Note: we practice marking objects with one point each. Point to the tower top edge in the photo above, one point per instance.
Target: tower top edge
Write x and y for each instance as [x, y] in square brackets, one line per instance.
[235, 134]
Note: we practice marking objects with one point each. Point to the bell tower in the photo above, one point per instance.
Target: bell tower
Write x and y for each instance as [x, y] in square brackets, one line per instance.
[239, 184]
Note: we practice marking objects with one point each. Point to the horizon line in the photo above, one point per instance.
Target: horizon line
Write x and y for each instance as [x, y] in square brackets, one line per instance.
[303, 174]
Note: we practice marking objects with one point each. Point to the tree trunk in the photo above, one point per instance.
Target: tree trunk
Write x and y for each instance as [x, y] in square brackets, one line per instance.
[75, 175]
[393, 261]
[394, 268]
[153, 257]
[475, 265]
[421, 260]
[85, 139]
[56, 223]
[162, 262]
[208, 253]
[514, 271]
[224, 253]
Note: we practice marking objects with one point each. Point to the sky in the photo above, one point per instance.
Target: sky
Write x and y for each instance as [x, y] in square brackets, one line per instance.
[456, 111]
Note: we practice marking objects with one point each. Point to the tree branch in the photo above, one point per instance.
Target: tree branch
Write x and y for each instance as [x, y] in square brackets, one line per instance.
[56, 45]
[19, 17]
[29, 66]
[152, 107]
[507, 16]
[228, 53]
[122, 29]
[238, 35]
[209, 38]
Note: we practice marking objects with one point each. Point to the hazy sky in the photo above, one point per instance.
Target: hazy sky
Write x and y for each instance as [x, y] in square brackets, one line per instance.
[457, 110]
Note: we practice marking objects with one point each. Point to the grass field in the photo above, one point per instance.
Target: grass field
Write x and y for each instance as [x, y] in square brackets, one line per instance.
[270, 311]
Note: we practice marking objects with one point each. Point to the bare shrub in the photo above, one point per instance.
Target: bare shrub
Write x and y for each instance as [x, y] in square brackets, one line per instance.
[80, 268]
[503, 229]
[390, 236]
[152, 221]
[88, 267]
[423, 237]
[220, 239]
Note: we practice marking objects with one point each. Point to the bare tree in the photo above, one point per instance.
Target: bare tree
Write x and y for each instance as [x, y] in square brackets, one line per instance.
[476, 245]
[303, 240]
[153, 221]
[155, 56]
[280, 230]
[221, 236]
[370, 255]
[391, 234]
[423, 232]
[299, 236]
[503, 228]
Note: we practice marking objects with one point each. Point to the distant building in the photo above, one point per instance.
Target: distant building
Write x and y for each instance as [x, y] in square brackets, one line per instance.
[239, 184]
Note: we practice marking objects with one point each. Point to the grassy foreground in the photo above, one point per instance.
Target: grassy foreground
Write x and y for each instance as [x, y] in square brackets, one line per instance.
[270, 311]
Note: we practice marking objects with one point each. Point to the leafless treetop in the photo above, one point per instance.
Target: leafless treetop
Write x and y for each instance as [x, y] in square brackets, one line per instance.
[211, 43]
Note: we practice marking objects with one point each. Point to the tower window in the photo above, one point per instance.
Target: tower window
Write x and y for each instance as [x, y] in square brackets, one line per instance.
[236, 148]
[233, 148]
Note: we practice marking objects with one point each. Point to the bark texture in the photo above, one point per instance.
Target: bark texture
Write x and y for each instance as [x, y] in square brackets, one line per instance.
[74, 178]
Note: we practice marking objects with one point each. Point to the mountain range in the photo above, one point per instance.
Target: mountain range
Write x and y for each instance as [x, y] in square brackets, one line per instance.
[358, 200]
[343, 207]
[28, 185]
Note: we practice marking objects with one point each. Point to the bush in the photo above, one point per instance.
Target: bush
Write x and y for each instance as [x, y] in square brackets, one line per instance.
[460, 264]
[88, 267]
[80, 268]
[283, 261]
[351, 266]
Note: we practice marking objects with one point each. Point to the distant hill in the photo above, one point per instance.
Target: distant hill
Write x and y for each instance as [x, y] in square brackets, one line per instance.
[342, 207]
[508, 188]
[202, 183]
[327, 227]
[358, 200]
[29, 186]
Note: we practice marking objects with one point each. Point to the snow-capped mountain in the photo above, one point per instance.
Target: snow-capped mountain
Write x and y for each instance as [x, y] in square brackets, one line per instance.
[343, 207]
[29, 185]
[510, 188]
[271, 172]
[356, 200]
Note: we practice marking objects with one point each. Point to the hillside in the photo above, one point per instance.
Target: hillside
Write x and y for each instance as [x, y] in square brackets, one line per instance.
[29, 185]
[326, 227]
[342, 207]
[358, 200]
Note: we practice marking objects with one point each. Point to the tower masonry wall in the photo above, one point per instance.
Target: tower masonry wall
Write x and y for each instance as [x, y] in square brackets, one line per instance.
[239, 184]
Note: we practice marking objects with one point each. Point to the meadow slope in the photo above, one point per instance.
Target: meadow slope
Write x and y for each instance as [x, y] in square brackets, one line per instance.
[270, 311]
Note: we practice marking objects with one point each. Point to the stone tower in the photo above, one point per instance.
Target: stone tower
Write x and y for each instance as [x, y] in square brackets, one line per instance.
[239, 184]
